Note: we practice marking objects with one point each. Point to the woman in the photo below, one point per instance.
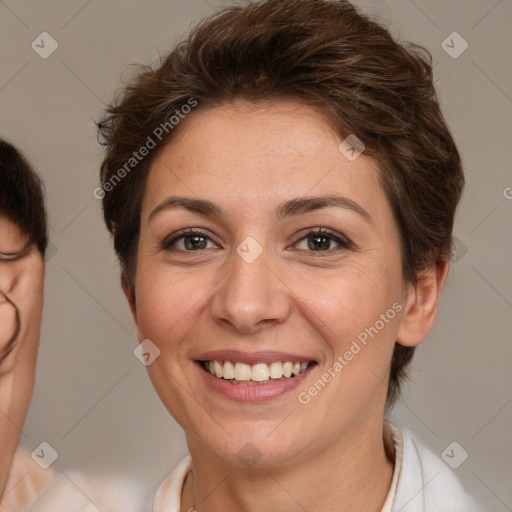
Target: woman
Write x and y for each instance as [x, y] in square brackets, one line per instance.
[23, 240]
[281, 193]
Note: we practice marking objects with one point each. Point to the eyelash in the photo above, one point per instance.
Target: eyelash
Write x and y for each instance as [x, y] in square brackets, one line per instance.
[343, 242]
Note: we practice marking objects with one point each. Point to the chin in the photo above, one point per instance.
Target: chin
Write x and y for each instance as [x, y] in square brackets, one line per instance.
[246, 445]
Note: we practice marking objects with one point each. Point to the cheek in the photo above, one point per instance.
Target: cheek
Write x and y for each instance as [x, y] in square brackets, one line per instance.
[344, 303]
[7, 323]
[357, 318]
[167, 302]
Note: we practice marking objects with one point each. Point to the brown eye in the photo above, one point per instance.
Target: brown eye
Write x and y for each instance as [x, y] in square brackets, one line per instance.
[322, 240]
[188, 241]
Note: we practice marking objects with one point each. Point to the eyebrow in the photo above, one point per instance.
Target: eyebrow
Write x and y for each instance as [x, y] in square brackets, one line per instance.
[297, 206]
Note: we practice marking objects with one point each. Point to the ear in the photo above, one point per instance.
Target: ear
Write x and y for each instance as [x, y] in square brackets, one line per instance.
[129, 293]
[421, 305]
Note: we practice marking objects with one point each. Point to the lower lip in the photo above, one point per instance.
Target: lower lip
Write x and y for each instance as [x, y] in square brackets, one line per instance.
[252, 392]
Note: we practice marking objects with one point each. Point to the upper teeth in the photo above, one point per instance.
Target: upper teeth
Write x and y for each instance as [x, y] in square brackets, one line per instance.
[256, 372]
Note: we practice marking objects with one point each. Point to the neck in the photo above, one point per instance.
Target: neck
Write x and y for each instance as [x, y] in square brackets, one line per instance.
[351, 474]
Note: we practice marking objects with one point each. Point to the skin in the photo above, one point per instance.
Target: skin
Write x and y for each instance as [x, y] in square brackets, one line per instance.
[248, 159]
[21, 284]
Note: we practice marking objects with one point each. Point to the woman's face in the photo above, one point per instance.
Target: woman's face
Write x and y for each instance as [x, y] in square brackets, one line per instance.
[247, 278]
[21, 304]
[13, 249]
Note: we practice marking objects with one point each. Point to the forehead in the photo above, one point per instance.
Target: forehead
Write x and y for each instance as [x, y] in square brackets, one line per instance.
[241, 132]
[259, 153]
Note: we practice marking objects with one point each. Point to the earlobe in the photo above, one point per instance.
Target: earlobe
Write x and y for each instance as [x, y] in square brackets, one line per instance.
[421, 305]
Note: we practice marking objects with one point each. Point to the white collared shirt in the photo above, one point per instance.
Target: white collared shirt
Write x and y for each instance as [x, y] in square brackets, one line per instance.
[421, 482]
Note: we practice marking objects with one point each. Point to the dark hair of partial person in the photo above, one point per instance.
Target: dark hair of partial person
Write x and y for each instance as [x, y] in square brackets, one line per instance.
[323, 54]
[22, 197]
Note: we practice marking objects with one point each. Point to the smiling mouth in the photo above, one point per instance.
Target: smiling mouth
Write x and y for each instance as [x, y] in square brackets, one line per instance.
[260, 373]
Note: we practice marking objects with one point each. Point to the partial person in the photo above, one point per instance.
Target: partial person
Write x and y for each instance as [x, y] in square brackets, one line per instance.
[23, 242]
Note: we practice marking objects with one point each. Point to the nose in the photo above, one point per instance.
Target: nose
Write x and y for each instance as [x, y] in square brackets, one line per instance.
[251, 296]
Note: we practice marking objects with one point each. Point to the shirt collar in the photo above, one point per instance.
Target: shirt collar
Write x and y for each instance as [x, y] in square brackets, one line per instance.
[168, 496]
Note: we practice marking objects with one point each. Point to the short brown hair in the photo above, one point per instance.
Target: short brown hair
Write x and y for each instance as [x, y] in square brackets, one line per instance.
[21, 196]
[324, 54]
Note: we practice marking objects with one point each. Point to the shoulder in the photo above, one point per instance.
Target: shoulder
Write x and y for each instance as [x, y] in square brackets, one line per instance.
[75, 491]
[26, 480]
[33, 489]
[426, 483]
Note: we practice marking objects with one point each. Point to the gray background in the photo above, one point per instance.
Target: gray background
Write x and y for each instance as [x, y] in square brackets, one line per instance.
[93, 401]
